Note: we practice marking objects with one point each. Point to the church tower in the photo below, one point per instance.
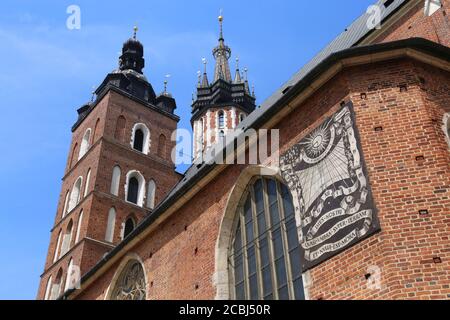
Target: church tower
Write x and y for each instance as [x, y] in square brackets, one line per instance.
[220, 105]
[118, 169]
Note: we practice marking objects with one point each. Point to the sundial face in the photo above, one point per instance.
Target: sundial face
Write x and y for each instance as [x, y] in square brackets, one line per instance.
[328, 180]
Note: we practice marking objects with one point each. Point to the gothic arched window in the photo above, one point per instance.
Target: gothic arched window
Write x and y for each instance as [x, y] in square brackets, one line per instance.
[56, 287]
[85, 144]
[135, 188]
[140, 139]
[75, 194]
[130, 284]
[129, 227]
[86, 185]
[221, 120]
[58, 244]
[66, 204]
[80, 221]
[151, 191]
[115, 181]
[48, 289]
[109, 236]
[67, 239]
[264, 256]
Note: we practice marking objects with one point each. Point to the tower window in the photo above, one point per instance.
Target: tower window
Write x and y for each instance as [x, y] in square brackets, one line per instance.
[86, 185]
[135, 188]
[264, 258]
[75, 194]
[138, 140]
[110, 225]
[151, 194]
[56, 287]
[115, 181]
[58, 244]
[129, 227]
[85, 144]
[241, 117]
[48, 289]
[221, 120]
[141, 138]
[80, 222]
[67, 239]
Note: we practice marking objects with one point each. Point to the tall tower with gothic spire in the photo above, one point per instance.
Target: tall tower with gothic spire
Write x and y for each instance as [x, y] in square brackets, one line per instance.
[119, 168]
[219, 106]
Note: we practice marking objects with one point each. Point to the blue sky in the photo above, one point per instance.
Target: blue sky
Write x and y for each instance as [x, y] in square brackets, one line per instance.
[48, 71]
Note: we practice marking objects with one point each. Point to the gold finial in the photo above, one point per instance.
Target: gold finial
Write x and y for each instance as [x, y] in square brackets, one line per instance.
[135, 29]
[221, 25]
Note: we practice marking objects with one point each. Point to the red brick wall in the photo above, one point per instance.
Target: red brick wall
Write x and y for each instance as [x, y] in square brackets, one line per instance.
[403, 250]
[415, 24]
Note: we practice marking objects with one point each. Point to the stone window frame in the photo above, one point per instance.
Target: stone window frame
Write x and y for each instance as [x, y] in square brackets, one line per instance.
[146, 140]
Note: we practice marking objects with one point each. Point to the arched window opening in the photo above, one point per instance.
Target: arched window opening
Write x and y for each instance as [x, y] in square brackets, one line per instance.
[221, 120]
[119, 134]
[241, 117]
[85, 144]
[221, 134]
[95, 136]
[130, 284]
[74, 155]
[162, 146]
[264, 256]
[151, 194]
[58, 245]
[69, 275]
[129, 227]
[140, 140]
[115, 181]
[56, 287]
[67, 239]
[134, 191]
[109, 237]
[48, 289]
[75, 194]
[80, 222]
[86, 186]
[66, 203]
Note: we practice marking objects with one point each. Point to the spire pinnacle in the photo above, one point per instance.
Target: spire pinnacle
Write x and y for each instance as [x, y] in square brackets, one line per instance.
[135, 30]
[237, 77]
[221, 25]
[205, 82]
[247, 88]
[222, 53]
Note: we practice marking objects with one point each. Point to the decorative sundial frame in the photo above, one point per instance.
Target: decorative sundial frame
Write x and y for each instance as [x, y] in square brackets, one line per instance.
[329, 182]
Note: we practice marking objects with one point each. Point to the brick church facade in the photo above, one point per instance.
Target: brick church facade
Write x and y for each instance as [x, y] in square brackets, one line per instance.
[355, 204]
